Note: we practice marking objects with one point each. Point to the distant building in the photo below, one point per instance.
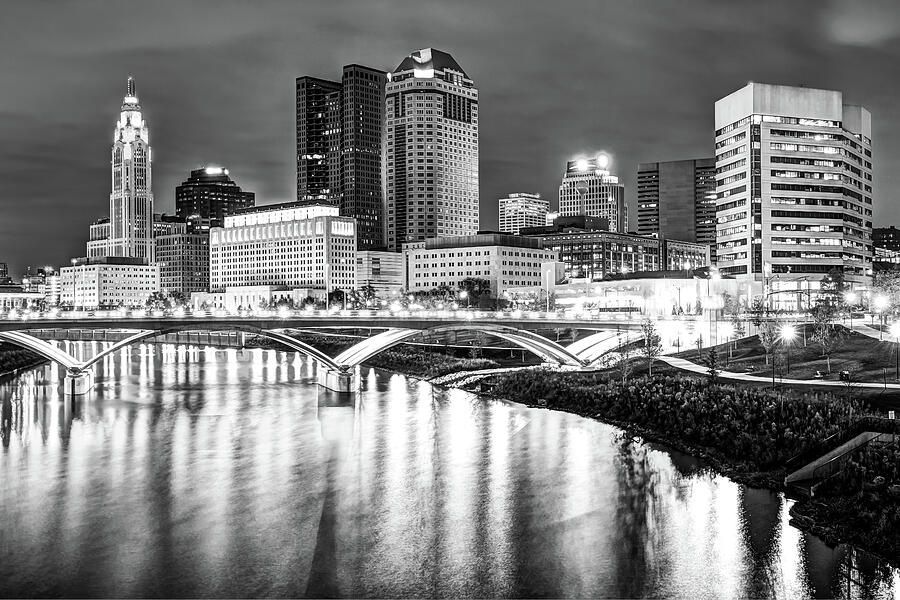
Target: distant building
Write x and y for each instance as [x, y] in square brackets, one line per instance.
[501, 259]
[4, 274]
[108, 282]
[381, 270]
[522, 210]
[677, 200]
[44, 281]
[886, 238]
[590, 252]
[794, 187]
[183, 260]
[340, 130]
[431, 149]
[588, 189]
[294, 244]
[209, 193]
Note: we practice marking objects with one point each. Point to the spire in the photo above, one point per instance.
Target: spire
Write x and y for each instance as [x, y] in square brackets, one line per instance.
[130, 102]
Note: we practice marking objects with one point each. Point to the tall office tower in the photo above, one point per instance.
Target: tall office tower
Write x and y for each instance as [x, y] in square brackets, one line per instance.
[431, 149]
[522, 210]
[677, 200]
[340, 128]
[316, 101]
[588, 189]
[794, 187]
[209, 193]
[131, 200]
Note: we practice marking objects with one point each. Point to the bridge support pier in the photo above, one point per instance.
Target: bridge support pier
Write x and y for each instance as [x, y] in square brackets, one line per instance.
[78, 384]
[337, 381]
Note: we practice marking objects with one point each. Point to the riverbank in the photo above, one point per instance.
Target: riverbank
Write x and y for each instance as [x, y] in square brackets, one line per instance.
[746, 434]
[14, 360]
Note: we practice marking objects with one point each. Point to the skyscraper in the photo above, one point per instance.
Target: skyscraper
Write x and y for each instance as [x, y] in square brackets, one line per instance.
[522, 210]
[131, 200]
[431, 149]
[209, 193]
[794, 189]
[587, 188]
[340, 128]
[677, 200]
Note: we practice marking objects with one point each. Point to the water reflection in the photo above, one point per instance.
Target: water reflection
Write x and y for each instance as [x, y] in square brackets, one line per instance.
[194, 471]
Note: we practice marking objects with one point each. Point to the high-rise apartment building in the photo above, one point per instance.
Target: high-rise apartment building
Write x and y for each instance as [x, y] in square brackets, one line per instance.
[340, 129]
[131, 200]
[210, 193]
[677, 200]
[522, 210]
[588, 189]
[183, 260]
[794, 187]
[431, 149]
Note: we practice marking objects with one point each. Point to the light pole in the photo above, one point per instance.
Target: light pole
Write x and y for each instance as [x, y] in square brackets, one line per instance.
[850, 298]
[881, 302]
[464, 295]
[788, 333]
[73, 284]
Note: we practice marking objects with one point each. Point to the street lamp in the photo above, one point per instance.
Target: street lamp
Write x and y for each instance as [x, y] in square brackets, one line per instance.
[788, 334]
[73, 261]
[850, 298]
[464, 295]
[895, 331]
[881, 303]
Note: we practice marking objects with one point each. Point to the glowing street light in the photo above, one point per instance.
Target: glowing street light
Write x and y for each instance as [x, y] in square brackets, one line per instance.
[788, 334]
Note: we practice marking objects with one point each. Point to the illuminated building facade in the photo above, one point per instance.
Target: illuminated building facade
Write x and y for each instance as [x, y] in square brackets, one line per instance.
[677, 200]
[296, 244]
[794, 187]
[210, 193]
[183, 260]
[431, 150]
[131, 200]
[503, 260]
[522, 210]
[340, 132]
[381, 270]
[108, 282]
[588, 189]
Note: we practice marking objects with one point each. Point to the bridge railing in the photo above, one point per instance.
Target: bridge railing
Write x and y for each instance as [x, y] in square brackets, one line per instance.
[337, 312]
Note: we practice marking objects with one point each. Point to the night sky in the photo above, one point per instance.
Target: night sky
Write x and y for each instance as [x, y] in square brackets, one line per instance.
[556, 79]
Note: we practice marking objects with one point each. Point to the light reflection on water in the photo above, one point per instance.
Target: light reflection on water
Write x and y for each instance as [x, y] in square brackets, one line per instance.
[204, 472]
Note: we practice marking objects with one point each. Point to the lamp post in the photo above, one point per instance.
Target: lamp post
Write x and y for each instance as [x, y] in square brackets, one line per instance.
[881, 302]
[788, 333]
[850, 298]
[73, 261]
[464, 295]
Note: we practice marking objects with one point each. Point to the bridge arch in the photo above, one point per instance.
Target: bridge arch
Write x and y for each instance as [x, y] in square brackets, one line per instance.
[42, 348]
[72, 365]
[532, 342]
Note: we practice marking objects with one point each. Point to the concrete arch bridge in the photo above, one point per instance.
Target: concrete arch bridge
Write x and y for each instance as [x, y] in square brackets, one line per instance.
[335, 373]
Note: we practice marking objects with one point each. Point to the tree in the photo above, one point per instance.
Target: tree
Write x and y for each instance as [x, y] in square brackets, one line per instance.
[475, 287]
[652, 343]
[757, 311]
[768, 336]
[829, 336]
[712, 363]
[698, 308]
[157, 301]
[177, 298]
[832, 289]
[887, 283]
[623, 362]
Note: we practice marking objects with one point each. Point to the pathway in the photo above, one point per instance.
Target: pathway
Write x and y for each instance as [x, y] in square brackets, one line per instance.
[686, 365]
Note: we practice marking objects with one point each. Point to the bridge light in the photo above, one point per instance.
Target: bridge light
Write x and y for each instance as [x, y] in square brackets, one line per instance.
[284, 312]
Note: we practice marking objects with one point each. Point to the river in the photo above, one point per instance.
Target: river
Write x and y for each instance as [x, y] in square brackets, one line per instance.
[205, 472]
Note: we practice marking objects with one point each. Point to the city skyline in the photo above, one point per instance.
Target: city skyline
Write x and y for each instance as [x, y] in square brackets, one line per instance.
[235, 106]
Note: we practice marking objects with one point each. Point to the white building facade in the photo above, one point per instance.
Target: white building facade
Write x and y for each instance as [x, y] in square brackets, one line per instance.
[794, 193]
[503, 260]
[108, 283]
[383, 271]
[431, 150]
[587, 188]
[293, 245]
[130, 227]
[522, 210]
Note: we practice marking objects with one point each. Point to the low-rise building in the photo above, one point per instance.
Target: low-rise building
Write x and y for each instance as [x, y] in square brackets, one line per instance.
[14, 297]
[295, 245]
[381, 270]
[252, 297]
[108, 282]
[501, 259]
